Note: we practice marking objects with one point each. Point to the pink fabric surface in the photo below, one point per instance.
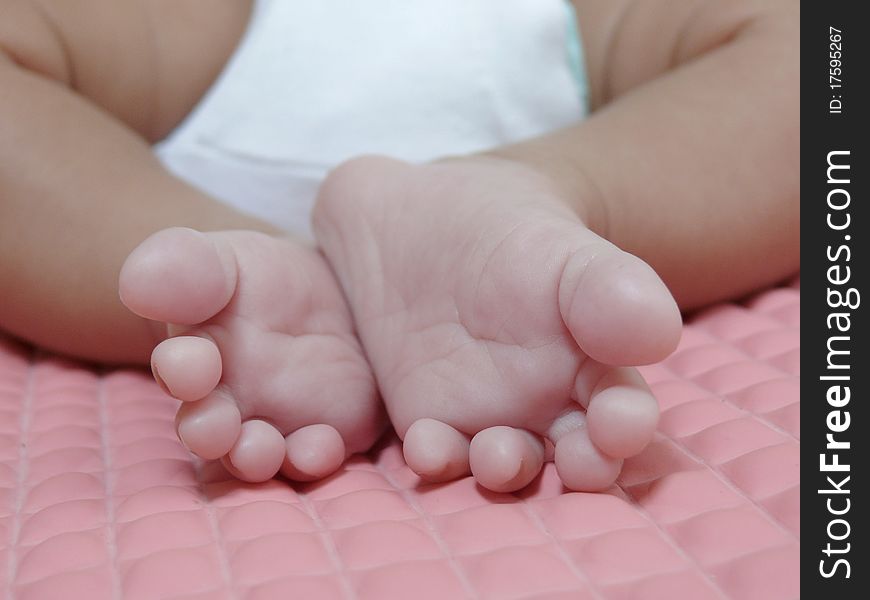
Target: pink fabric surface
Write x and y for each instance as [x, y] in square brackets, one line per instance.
[99, 500]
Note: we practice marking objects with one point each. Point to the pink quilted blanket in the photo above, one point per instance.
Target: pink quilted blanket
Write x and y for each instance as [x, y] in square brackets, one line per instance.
[99, 500]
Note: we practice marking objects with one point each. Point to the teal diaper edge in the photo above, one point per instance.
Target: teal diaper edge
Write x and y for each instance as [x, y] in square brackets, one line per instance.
[576, 57]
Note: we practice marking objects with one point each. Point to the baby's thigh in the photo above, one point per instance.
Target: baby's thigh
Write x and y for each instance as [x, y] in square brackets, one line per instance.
[140, 60]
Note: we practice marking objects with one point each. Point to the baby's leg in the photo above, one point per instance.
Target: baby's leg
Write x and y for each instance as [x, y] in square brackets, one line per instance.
[81, 97]
[690, 159]
[496, 302]
[268, 365]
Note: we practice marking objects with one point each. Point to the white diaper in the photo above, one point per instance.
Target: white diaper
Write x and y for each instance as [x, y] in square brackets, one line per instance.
[315, 82]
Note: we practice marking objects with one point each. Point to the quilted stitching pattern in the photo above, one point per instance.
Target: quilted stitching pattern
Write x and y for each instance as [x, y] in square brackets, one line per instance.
[99, 500]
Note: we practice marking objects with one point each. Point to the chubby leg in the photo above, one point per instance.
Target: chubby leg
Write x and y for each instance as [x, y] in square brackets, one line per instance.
[690, 158]
[79, 186]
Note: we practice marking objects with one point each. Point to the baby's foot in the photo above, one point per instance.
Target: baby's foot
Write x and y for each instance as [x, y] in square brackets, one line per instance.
[493, 319]
[262, 351]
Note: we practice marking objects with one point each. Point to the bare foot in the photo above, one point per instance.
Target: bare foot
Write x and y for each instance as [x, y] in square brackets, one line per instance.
[262, 351]
[493, 318]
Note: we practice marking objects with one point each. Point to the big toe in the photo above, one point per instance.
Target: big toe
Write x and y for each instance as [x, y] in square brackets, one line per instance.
[178, 275]
[616, 307]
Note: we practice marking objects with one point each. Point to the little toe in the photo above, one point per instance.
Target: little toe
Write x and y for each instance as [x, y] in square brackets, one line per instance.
[258, 452]
[616, 307]
[178, 275]
[312, 453]
[622, 414]
[581, 466]
[436, 451]
[187, 367]
[209, 427]
[505, 459]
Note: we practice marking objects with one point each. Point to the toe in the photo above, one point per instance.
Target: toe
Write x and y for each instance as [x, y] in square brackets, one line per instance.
[312, 452]
[187, 367]
[581, 466]
[178, 275]
[616, 307]
[436, 451]
[209, 427]
[505, 459]
[622, 414]
[258, 452]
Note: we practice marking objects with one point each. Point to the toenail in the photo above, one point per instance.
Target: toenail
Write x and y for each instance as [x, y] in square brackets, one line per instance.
[156, 373]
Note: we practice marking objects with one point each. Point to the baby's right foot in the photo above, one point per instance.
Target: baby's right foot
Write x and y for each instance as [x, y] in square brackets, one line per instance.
[493, 318]
[261, 351]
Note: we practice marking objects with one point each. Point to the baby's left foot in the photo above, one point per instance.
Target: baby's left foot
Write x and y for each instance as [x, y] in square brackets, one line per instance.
[261, 350]
[493, 318]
